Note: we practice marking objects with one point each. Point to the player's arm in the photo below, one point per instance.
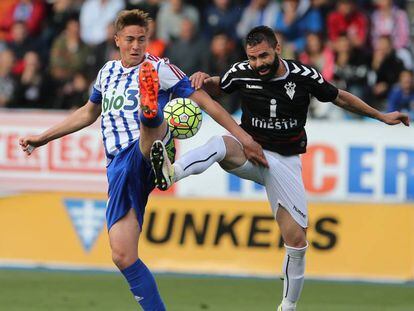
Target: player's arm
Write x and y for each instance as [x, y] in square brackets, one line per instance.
[252, 149]
[203, 80]
[354, 104]
[82, 117]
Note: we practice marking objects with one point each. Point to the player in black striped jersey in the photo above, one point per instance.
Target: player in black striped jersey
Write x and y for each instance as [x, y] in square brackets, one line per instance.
[275, 95]
[274, 107]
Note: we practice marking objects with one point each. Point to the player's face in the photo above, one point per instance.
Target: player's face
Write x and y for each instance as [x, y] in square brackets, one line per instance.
[263, 58]
[132, 43]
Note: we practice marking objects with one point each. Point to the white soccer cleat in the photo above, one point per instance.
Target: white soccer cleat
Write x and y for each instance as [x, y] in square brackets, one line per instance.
[161, 165]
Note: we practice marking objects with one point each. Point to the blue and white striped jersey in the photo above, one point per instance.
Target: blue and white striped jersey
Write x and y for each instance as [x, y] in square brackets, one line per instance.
[117, 90]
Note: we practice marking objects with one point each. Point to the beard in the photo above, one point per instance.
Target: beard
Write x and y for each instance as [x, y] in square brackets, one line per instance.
[273, 67]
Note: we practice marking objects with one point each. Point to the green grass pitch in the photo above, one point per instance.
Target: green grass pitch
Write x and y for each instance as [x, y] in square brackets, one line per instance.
[34, 290]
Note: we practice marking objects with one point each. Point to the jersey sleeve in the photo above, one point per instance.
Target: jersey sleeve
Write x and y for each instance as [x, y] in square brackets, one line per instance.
[96, 95]
[173, 80]
[227, 81]
[319, 87]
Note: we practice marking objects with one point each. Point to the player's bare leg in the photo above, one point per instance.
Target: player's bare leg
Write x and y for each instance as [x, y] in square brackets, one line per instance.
[293, 268]
[125, 246]
[152, 125]
[123, 239]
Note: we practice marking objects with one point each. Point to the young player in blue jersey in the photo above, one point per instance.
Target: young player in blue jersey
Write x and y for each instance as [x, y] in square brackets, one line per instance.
[129, 95]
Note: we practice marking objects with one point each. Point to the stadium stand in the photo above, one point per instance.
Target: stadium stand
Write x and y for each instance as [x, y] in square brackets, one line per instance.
[332, 36]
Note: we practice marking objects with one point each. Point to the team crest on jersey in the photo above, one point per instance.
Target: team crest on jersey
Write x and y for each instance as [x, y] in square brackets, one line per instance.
[290, 89]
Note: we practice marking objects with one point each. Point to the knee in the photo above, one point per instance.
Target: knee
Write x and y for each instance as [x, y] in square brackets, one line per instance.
[123, 259]
[234, 156]
[297, 239]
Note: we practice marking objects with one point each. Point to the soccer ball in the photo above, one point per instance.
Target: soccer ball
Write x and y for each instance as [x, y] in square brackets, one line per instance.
[183, 117]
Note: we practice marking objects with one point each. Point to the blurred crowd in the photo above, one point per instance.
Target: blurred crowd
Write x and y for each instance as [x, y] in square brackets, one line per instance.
[51, 50]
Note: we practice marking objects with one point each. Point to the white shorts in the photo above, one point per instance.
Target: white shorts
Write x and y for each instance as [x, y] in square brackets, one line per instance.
[283, 183]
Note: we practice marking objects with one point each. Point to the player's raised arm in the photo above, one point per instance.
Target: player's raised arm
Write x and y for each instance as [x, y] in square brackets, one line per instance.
[82, 117]
[252, 149]
[353, 103]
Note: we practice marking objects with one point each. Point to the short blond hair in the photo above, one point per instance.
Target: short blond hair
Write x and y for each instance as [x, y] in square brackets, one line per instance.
[132, 17]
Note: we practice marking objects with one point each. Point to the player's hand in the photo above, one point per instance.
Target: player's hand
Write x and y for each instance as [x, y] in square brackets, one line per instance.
[198, 79]
[29, 143]
[254, 153]
[395, 117]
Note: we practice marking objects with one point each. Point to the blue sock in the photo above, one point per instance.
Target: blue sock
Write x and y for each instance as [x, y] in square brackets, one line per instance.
[152, 122]
[143, 287]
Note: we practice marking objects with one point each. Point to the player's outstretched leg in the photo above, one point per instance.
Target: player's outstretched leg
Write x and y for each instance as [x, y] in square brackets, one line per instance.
[193, 162]
[152, 125]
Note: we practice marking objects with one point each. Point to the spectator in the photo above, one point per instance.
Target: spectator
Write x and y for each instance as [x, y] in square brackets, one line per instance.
[32, 88]
[7, 82]
[351, 67]
[170, 18]
[5, 6]
[189, 50]
[259, 12]
[155, 45]
[107, 50]
[348, 19]
[69, 54]
[386, 68]
[318, 55]
[389, 20]
[60, 12]
[295, 20]
[221, 16]
[29, 12]
[324, 7]
[74, 94]
[149, 6]
[220, 57]
[20, 44]
[401, 97]
[288, 51]
[95, 15]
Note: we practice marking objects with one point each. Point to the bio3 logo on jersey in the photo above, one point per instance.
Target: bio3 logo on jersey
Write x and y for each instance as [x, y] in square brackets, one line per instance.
[127, 101]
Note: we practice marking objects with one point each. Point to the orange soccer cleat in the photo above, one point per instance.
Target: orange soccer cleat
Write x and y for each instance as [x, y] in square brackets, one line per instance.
[148, 88]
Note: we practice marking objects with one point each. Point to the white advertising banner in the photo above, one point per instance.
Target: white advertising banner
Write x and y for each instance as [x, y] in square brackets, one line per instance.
[346, 161]
[73, 163]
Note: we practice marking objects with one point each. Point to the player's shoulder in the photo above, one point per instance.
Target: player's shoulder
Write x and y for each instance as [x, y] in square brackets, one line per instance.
[302, 71]
[242, 67]
[239, 70]
[155, 60]
[110, 65]
[165, 68]
[106, 70]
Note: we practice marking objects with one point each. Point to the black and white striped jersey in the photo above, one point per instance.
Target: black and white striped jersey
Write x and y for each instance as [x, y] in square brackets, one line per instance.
[274, 112]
